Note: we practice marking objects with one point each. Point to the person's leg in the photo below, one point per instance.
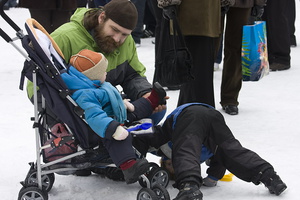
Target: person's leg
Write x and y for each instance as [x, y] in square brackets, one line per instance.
[149, 20]
[123, 155]
[200, 89]
[138, 31]
[232, 67]
[242, 162]
[291, 15]
[59, 17]
[278, 35]
[43, 17]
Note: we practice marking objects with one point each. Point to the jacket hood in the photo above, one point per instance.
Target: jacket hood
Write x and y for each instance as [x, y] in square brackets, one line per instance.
[76, 80]
[78, 15]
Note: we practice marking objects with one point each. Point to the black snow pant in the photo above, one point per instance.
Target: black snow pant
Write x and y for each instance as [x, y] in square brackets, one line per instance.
[197, 125]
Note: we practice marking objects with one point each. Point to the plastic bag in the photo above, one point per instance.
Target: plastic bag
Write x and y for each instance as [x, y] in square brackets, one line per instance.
[255, 64]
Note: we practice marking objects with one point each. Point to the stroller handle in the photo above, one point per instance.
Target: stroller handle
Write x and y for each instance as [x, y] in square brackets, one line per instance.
[5, 36]
[9, 21]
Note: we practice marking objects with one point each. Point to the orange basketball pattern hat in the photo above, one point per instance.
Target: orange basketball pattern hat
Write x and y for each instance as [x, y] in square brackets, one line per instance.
[90, 63]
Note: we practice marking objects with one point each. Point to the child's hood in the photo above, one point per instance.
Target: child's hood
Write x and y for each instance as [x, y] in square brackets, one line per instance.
[76, 80]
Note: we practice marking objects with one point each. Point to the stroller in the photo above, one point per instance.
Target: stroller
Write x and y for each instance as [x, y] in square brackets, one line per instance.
[79, 147]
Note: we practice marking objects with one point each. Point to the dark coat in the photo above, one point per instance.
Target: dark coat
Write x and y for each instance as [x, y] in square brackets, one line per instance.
[200, 18]
[49, 4]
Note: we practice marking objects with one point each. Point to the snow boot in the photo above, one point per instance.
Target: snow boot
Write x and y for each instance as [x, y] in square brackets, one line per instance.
[189, 191]
[273, 182]
[133, 173]
[112, 173]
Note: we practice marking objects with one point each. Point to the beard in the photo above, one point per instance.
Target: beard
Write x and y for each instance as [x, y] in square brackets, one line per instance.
[106, 43]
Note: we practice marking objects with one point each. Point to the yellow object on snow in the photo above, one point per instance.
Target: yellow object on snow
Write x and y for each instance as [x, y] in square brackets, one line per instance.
[227, 177]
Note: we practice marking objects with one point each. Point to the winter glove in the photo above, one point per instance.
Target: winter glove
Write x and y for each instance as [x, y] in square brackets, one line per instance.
[169, 12]
[129, 106]
[141, 127]
[257, 11]
[165, 3]
[120, 134]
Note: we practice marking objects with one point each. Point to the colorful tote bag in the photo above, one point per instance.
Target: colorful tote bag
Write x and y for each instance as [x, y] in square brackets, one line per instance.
[255, 64]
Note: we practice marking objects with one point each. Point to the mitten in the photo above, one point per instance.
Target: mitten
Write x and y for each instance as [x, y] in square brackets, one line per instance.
[129, 106]
[165, 3]
[120, 134]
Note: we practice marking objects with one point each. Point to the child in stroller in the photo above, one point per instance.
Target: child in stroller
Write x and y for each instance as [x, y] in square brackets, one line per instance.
[105, 111]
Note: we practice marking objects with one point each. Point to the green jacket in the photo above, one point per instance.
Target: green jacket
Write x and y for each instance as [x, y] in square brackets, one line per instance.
[124, 68]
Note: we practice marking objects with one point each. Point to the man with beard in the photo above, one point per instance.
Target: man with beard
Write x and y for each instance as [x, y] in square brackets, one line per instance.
[107, 30]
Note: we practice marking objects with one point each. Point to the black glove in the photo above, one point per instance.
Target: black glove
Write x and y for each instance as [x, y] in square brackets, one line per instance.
[257, 11]
[169, 12]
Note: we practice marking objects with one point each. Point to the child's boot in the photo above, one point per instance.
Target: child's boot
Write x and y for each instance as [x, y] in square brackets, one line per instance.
[273, 182]
[190, 191]
[137, 168]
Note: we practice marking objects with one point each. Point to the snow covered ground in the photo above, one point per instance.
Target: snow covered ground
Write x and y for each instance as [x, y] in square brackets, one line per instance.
[267, 123]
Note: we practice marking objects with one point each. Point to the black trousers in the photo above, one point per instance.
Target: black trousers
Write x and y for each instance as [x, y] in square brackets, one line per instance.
[291, 15]
[201, 89]
[232, 65]
[277, 32]
[198, 125]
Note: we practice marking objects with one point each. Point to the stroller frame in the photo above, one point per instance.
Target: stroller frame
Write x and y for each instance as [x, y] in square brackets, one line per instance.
[40, 177]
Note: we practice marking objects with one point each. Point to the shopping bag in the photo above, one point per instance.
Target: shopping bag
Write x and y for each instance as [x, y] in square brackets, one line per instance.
[59, 131]
[255, 64]
[174, 61]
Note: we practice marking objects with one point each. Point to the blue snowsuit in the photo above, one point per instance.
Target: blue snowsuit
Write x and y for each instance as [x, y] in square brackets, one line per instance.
[104, 111]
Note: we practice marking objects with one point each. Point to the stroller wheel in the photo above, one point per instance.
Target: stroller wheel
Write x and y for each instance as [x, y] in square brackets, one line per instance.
[159, 176]
[47, 180]
[142, 182]
[147, 194]
[33, 193]
[161, 192]
[156, 175]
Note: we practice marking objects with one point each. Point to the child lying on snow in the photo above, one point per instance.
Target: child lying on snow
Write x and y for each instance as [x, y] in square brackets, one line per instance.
[105, 111]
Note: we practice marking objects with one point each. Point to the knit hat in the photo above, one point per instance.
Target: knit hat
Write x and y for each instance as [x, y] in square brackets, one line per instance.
[90, 63]
[122, 12]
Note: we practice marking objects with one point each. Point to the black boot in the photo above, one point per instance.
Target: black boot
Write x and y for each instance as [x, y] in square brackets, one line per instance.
[189, 191]
[273, 182]
[132, 174]
[112, 173]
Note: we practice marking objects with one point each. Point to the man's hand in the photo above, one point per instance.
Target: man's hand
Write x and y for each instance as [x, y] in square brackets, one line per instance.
[160, 107]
